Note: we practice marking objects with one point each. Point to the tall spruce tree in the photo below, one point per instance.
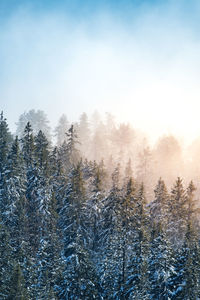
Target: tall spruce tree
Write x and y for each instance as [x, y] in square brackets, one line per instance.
[28, 146]
[14, 215]
[137, 282]
[79, 274]
[177, 213]
[160, 264]
[160, 205]
[72, 141]
[17, 285]
[126, 235]
[186, 278]
[5, 141]
[94, 205]
[6, 262]
[110, 272]
[46, 258]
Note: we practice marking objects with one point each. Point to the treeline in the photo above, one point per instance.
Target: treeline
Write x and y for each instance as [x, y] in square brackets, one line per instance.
[71, 228]
[102, 137]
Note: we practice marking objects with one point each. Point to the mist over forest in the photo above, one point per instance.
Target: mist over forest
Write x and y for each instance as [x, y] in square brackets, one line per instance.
[101, 138]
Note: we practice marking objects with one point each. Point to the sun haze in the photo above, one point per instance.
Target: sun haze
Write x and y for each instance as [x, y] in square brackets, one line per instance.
[136, 59]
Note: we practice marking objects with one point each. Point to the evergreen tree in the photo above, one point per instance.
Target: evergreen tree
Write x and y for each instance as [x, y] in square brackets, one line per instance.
[5, 140]
[15, 208]
[177, 214]
[185, 279]
[72, 140]
[137, 282]
[79, 275]
[192, 210]
[161, 265]
[68, 153]
[28, 146]
[17, 289]
[6, 261]
[160, 206]
[126, 235]
[93, 206]
[93, 214]
[42, 151]
[188, 272]
[110, 278]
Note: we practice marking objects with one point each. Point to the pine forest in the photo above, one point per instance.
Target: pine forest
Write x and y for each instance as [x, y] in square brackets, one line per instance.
[92, 211]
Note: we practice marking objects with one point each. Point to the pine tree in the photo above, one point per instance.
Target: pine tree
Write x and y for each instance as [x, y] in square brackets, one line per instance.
[159, 207]
[111, 277]
[137, 282]
[93, 206]
[67, 152]
[14, 191]
[28, 146]
[17, 289]
[72, 141]
[192, 210]
[6, 261]
[47, 248]
[186, 277]
[177, 214]
[5, 141]
[79, 275]
[42, 151]
[161, 264]
[13, 202]
[126, 234]
[92, 213]
[191, 247]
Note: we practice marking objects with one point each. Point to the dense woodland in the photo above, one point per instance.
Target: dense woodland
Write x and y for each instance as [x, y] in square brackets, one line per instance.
[94, 213]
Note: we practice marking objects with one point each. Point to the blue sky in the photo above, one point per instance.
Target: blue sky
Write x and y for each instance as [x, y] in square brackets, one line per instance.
[136, 59]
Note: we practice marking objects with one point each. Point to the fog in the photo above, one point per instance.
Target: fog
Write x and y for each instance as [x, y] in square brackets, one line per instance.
[101, 138]
[140, 63]
[137, 61]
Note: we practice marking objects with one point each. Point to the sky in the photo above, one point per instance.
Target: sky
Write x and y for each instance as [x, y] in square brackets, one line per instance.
[139, 60]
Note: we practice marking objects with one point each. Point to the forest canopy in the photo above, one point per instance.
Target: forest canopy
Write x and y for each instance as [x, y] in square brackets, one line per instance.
[92, 211]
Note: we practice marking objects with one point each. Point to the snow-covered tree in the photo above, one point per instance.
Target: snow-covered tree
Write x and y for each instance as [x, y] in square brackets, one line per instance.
[17, 285]
[79, 274]
[137, 281]
[6, 262]
[28, 146]
[177, 213]
[161, 264]
[5, 141]
[159, 208]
